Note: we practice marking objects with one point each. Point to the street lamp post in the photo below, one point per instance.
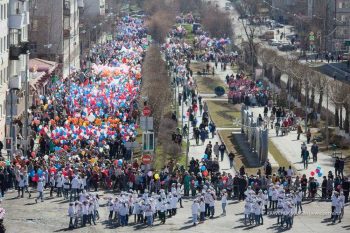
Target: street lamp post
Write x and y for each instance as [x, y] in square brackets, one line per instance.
[327, 118]
[306, 103]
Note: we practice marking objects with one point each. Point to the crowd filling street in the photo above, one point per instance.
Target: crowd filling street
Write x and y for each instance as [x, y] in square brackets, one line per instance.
[78, 155]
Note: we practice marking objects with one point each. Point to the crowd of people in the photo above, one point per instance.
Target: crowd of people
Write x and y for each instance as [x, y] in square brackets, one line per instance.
[81, 127]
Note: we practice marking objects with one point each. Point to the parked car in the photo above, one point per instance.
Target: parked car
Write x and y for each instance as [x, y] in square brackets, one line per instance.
[286, 47]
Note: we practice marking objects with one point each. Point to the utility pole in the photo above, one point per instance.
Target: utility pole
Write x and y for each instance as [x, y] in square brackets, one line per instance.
[327, 119]
[306, 102]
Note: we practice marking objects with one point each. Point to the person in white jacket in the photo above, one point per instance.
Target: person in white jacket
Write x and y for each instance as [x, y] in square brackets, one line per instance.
[224, 202]
[247, 210]
[75, 186]
[59, 184]
[212, 204]
[40, 189]
[66, 187]
[162, 211]
[123, 211]
[195, 210]
[20, 185]
[149, 214]
[258, 212]
[71, 214]
[85, 212]
[179, 194]
[173, 203]
[334, 200]
[78, 213]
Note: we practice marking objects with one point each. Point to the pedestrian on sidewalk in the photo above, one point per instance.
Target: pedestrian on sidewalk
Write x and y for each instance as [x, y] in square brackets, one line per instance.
[308, 136]
[205, 107]
[277, 127]
[71, 214]
[299, 131]
[314, 151]
[203, 135]
[212, 129]
[40, 189]
[195, 210]
[224, 202]
[306, 159]
[216, 150]
[231, 157]
[222, 149]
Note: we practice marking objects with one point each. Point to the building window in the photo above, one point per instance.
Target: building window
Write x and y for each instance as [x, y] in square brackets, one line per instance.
[2, 12]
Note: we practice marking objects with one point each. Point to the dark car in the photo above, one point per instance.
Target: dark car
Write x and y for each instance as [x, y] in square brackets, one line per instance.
[243, 17]
[286, 47]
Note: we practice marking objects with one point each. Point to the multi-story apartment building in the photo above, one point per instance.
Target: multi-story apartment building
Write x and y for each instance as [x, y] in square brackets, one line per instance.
[54, 33]
[340, 13]
[18, 24]
[4, 55]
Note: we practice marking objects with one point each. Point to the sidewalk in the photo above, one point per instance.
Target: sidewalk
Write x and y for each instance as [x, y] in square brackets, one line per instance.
[195, 151]
[291, 149]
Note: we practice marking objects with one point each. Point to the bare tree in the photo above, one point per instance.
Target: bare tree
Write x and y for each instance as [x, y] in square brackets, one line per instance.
[156, 84]
[216, 22]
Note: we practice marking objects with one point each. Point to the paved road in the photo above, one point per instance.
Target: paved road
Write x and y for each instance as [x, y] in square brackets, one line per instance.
[24, 216]
[290, 147]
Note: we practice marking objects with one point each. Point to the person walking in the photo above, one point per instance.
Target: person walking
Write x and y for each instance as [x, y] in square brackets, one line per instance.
[216, 150]
[40, 189]
[222, 149]
[231, 157]
[308, 136]
[305, 157]
[299, 131]
[314, 151]
[224, 202]
[71, 214]
[195, 210]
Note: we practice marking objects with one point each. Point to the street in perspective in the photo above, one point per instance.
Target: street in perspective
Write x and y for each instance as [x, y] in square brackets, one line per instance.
[182, 115]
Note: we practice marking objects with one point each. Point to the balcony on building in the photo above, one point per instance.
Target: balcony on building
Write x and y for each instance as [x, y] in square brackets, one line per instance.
[18, 21]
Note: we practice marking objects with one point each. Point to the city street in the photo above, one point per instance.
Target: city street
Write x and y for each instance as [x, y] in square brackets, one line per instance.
[24, 216]
[123, 116]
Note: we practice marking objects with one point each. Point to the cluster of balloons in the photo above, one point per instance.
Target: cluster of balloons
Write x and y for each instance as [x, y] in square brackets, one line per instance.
[317, 171]
[100, 106]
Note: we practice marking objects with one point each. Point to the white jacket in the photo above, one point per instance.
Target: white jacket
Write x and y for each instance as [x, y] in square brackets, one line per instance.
[75, 183]
[195, 208]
